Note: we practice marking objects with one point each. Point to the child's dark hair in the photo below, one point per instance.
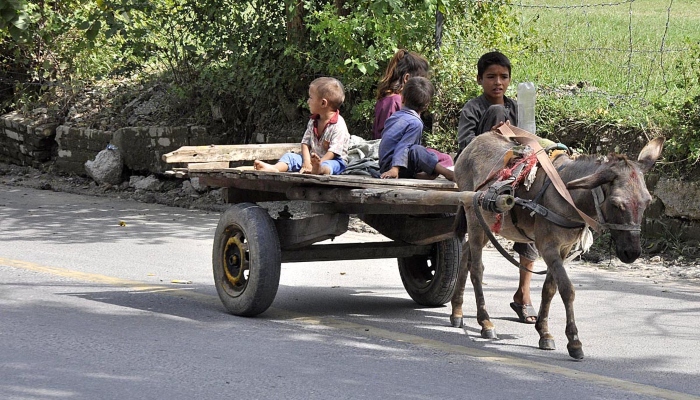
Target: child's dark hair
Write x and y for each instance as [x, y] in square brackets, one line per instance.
[402, 63]
[489, 59]
[417, 93]
[330, 89]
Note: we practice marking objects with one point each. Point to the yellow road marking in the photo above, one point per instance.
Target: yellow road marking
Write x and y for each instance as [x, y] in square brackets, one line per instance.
[108, 280]
[371, 331]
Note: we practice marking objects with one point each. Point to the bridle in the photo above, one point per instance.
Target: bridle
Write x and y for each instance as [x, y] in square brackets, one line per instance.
[598, 199]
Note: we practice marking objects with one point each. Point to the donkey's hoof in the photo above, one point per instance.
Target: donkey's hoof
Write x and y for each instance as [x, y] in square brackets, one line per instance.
[547, 344]
[489, 334]
[575, 351]
[457, 322]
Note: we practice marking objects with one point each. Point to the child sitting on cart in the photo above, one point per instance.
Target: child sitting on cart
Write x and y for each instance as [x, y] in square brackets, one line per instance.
[324, 147]
[401, 154]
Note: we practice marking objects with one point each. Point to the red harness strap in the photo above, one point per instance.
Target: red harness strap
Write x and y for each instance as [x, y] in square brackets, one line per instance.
[524, 165]
[528, 163]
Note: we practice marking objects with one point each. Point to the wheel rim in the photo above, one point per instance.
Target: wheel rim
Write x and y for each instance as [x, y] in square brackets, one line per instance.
[421, 271]
[235, 262]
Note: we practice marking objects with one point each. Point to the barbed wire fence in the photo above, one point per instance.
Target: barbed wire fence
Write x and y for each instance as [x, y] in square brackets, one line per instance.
[633, 54]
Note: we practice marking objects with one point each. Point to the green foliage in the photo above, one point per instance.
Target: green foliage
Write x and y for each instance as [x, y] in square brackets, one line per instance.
[256, 58]
[357, 40]
[14, 18]
[354, 44]
[684, 145]
[454, 66]
[617, 68]
[253, 59]
[50, 55]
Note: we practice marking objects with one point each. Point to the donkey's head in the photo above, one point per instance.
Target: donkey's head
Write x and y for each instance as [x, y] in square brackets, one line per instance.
[622, 197]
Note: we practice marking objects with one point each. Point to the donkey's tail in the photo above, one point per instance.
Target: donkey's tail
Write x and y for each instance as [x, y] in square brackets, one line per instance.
[460, 225]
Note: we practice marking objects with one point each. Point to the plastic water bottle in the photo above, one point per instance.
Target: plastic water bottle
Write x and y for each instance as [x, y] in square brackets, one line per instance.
[526, 106]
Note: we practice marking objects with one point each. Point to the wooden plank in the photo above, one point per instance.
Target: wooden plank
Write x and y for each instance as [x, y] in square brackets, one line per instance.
[237, 195]
[206, 166]
[232, 177]
[412, 228]
[217, 180]
[396, 196]
[302, 232]
[381, 209]
[234, 152]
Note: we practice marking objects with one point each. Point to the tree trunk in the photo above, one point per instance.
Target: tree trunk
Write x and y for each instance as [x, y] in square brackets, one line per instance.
[296, 31]
[340, 7]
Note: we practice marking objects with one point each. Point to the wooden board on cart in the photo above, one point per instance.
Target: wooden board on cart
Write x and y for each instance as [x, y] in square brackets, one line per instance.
[230, 152]
[242, 183]
[217, 159]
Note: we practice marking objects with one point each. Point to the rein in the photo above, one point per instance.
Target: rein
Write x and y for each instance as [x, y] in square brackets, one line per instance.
[599, 225]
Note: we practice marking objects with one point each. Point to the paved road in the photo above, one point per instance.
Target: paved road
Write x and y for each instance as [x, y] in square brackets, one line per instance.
[88, 310]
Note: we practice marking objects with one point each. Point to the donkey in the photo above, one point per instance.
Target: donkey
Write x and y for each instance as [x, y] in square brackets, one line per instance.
[619, 207]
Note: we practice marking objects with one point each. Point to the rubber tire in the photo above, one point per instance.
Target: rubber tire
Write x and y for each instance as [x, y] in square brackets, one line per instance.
[431, 280]
[256, 228]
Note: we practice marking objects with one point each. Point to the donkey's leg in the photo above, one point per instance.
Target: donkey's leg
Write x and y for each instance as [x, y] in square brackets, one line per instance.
[488, 330]
[549, 289]
[457, 316]
[557, 278]
[550, 252]
[477, 241]
[568, 294]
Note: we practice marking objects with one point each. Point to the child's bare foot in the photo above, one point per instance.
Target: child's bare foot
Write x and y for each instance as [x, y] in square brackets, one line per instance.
[425, 175]
[263, 166]
[446, 172]
[316, 167]
[315, 164]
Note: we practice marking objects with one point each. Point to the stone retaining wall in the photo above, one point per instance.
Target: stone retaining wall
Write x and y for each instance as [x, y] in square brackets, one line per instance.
[674, 213]
[77, 145]
[141, 147]
[24, 141]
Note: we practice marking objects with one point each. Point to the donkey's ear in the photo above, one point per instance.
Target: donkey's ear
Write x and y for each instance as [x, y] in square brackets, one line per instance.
[650, 153]
[602, 176]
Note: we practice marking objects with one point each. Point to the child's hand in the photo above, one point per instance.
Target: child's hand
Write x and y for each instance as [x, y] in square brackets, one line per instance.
[393, 173]
[498, 125]
[306, 167]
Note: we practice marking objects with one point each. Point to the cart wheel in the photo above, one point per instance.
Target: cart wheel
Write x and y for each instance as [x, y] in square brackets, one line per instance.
[430, 280]
[246, 259]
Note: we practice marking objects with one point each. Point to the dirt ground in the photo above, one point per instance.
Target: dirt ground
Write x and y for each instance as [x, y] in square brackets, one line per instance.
[659, 266]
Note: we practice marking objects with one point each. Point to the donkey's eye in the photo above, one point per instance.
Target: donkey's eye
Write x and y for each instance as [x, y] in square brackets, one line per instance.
[617, 202]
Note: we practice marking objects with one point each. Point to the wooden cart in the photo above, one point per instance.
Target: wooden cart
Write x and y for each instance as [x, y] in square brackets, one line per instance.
[251, 242]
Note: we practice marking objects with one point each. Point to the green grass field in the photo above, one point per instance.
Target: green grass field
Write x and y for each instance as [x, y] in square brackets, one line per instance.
[637, 48]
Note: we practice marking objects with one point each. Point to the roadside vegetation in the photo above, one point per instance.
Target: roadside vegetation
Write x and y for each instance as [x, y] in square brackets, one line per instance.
[630, 66]
[624, 71]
